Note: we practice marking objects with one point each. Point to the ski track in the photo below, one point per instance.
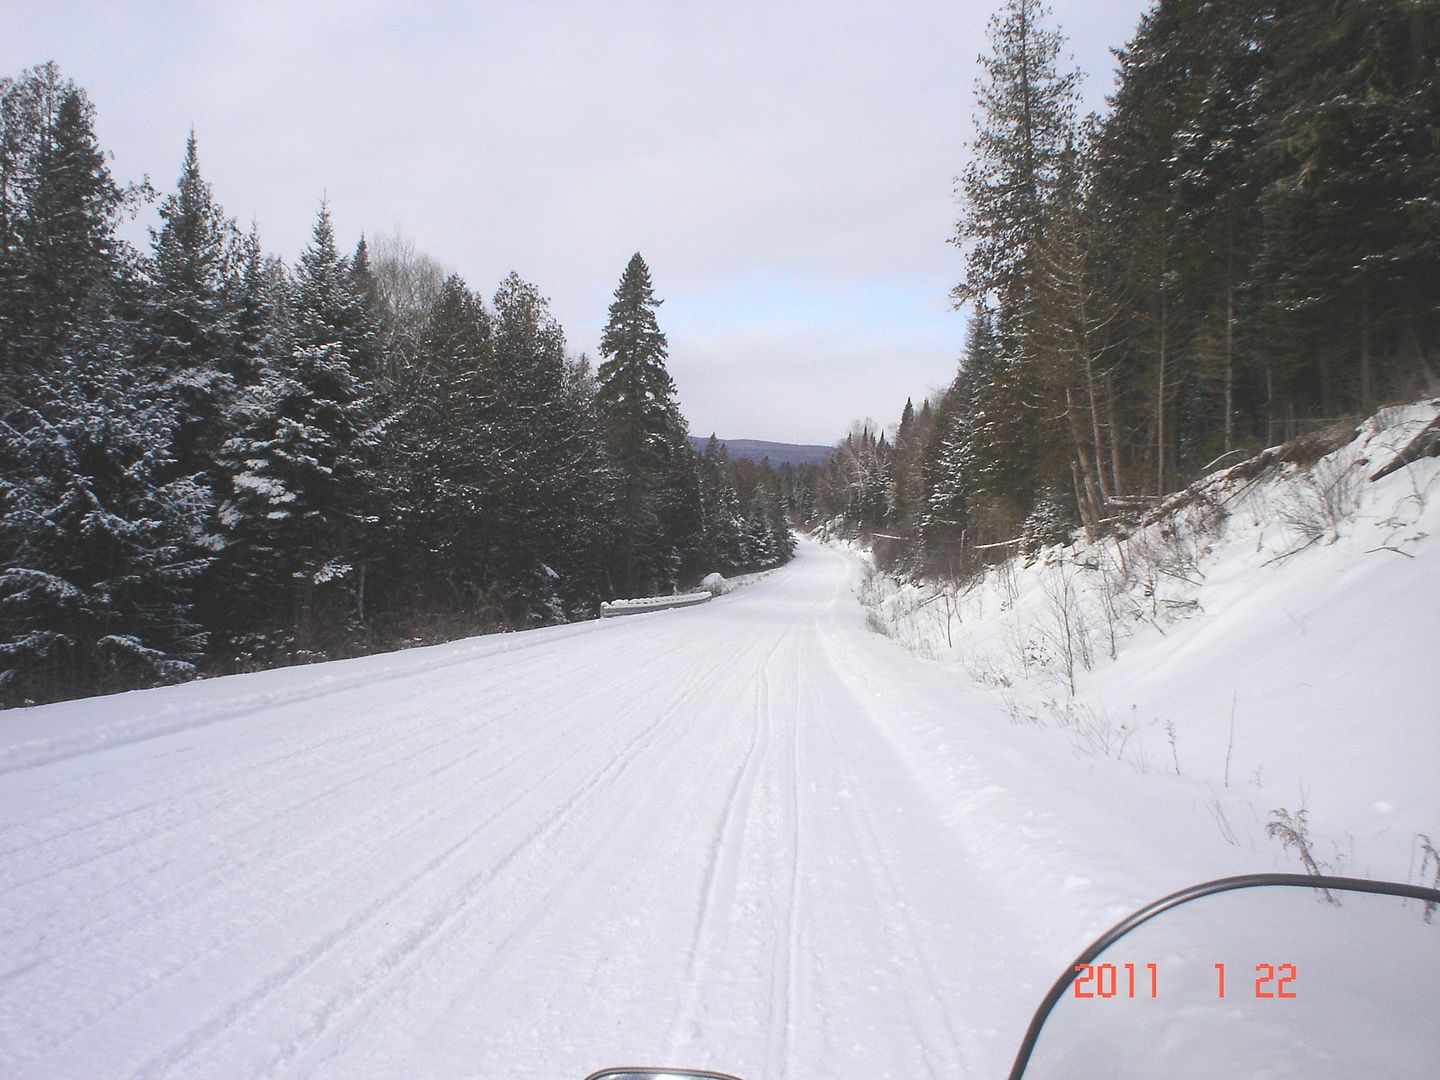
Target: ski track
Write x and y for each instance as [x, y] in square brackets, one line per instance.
[684, 836]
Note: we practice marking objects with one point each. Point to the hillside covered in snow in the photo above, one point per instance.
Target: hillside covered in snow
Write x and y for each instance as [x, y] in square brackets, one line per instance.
[1266, 639]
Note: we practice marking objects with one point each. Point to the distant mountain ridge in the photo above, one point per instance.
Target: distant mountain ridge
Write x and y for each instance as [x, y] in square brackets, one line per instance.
[779, 453]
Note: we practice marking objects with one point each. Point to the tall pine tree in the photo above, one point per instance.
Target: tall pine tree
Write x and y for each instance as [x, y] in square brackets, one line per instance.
[646, 435]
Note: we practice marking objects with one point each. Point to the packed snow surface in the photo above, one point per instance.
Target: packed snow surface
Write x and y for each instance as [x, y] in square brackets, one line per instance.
[751, 835]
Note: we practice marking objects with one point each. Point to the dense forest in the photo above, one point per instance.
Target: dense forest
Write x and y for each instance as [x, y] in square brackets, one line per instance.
[1244, 247]
[213, 461]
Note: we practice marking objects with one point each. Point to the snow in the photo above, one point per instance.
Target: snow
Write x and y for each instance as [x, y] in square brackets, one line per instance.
[652, 603]
[1275, 648]
[715, 584]
[751, 835]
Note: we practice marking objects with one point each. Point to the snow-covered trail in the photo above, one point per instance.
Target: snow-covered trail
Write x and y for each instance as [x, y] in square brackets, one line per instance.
[748, 835]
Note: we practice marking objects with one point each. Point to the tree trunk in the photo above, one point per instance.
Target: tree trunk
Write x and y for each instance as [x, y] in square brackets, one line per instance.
[1160, 391]
[1117, 476]
[1367, 386]
[1105, 489]
[1229, 366]
[360, 596]
[1269, 404]
[1091, 503]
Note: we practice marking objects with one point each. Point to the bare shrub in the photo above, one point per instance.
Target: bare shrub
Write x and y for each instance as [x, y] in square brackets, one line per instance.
[1292, 831]
[871, 597]
[1165, 557]
[1005, 575]
[1096, 732]
[1068, 629]
[949, 597]
[1174, 744]
[1429, 857]
[988, 672]
[1117, 602]
[1325, 499]
[1217, 812]
[1139, 758]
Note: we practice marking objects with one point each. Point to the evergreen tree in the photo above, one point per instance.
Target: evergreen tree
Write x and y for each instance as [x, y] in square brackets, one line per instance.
[100, 542]
[1021, 150]
[192, 323]
[58, 210]
[723, 524]
[258, 298]
[1158, 91]
[367, 285]
[646, 435]
[983, 466]
[903, 506]
[301, 499]
[1215, 192]
[1070, 338]
[1350, 270]
[1027, 109]
[448, 449]
[550, 470]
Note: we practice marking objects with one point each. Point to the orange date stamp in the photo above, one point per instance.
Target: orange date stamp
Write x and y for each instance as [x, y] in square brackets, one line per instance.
[1108, 981]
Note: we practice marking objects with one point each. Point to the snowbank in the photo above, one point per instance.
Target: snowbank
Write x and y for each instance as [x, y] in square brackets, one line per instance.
[1271, 631]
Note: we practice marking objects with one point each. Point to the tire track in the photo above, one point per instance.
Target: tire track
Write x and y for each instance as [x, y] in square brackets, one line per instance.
[376, 730]
[794, 923]
[318, 871]
[45, 752]
[374, 825]
[241, 783]
[725, 851]
[432, 929]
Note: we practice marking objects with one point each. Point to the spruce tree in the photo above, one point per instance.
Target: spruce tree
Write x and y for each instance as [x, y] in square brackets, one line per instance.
[645, 431]
[258, 290]
[301, 500]
[983, 464]
[1350, 268]
[1027, 110]
[447, 449]
[1215, 195]
[1158, 88]
[192, 323]
[544, 542]
[1070, 339]
[101, 544]
[58, 210]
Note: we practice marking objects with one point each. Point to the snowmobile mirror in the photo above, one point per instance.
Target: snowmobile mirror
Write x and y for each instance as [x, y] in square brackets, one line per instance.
[659, 1074]
[1275, 981]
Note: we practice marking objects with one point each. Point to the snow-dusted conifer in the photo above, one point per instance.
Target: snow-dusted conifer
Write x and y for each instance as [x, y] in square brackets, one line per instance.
[100, 541]
[58, 209]
[645, 432]
[191, 319]
[549, 463]
[301, 488]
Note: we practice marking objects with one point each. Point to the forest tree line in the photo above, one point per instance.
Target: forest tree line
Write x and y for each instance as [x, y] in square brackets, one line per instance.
[1245, 246]
[213, 461]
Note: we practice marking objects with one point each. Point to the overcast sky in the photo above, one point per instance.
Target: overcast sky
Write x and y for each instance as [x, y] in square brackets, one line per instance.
[786, 169]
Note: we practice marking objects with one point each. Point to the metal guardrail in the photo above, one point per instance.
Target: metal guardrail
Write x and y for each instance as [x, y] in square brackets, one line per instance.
[611, 608]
